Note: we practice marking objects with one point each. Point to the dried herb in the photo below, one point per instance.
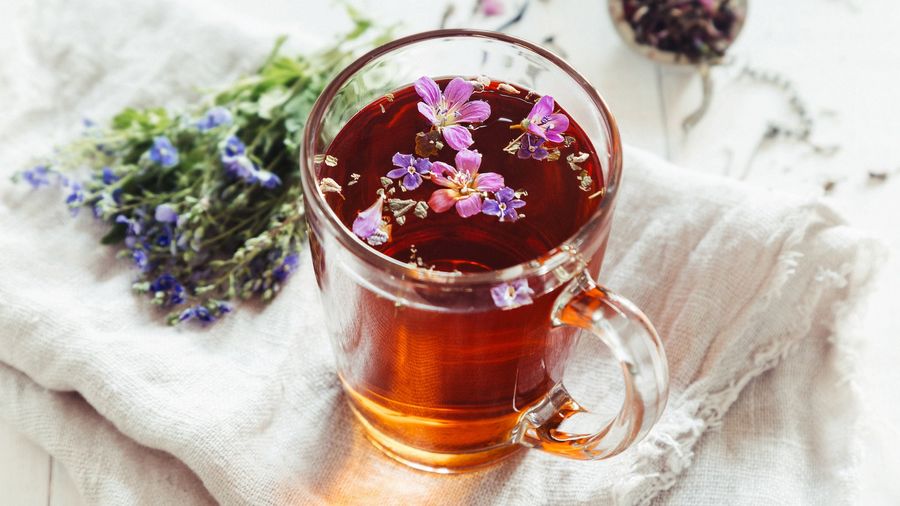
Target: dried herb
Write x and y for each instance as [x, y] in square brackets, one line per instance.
[698, 30]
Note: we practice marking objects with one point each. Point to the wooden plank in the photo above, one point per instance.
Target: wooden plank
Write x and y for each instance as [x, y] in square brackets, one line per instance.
[24, 470]
[62, 489]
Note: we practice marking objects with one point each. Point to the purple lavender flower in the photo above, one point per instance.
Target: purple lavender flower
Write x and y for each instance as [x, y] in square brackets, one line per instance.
[165, 213]
[163, 152]
[37, 176]
[448, 111]
[505, 206]
[370, 226]
[509, 296]
[135, 226]
[223, 307]
[167, 287]
[288, 265]
[234, 146]
[411, 169]
[215, 117]
[108, 176]
[544, 123]
[140, 259]
[75, 198]
[197, 312]
[268, 179]
[463, 184]
[532, 146]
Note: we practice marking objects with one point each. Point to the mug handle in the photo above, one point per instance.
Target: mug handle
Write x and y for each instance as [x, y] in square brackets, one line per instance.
[621, 326]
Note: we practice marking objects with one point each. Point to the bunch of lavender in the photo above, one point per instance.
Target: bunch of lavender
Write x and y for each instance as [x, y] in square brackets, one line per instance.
[206, 203]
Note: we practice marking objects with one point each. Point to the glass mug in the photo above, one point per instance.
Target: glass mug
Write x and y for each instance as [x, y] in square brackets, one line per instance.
[440, 378]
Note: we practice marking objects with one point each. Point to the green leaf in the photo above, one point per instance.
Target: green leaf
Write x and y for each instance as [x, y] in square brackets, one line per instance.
[115, 235]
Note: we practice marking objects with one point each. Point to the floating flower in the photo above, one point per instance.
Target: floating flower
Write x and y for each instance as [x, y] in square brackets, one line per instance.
[448, 111]
[370, 226]
[163, 152]
[463, 183]
[505, 206]
[215, 117]
[532, 146]
[37, 176]
[512, 295]
[411, 169]
[544, 123]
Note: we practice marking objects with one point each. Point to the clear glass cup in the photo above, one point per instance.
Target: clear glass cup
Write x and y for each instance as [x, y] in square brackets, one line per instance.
[439, 377]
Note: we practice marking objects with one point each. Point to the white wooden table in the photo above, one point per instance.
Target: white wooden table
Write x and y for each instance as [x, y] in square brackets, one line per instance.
[843, 56]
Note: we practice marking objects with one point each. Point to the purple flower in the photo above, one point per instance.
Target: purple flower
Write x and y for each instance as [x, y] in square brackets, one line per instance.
[238, 165]
[411, 169]
[223, 307]
[75, 198]
[108, 176]
[37, 176]
[268, 179]
[233, 146]
[505, 206]
[532, 146]
[544, 123]
[217, 116]
[135, 226]
[370, 226]
[448, 111]
[172, 291]
[288, 265]
[165, 213]
[140, 259]
[509, 296]
[163, 152]
[463, 184]
[199, 313]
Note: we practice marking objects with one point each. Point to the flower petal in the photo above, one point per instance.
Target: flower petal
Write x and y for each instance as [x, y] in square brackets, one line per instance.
[427, 111]
[457, 137]
[533, 128]
[468, 161]
[412, 181]
[488, 182]
[401, 160]
[428, 90]
[542, 108]
[469, 206]
[475, 111]
[506, 194]
[423, 166]
[368, 221]
[491, 206]
[442, 200]
[510, 215]
[398, 172]
[439, 173]
[557, 123]
[516, 203]
[457, 92]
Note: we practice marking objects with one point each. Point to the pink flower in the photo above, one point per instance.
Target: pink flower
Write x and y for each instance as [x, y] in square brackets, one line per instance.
[463, 184]
[544, 123]
[369, 225]
[448, 111]
[491, 7]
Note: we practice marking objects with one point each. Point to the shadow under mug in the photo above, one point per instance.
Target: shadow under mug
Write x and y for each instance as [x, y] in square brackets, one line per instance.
[441, 378]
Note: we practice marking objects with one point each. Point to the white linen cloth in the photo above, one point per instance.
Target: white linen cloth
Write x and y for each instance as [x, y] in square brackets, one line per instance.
[249, 411]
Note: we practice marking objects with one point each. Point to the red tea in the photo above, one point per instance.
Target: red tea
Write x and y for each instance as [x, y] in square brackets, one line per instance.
[444, 383]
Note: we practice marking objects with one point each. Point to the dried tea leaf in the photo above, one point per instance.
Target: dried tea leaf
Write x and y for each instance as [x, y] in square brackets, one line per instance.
[328, 185]
[354, 178]
[421, 210]
[428, 144]
[508, 88]
[331, 161]
[386, 181]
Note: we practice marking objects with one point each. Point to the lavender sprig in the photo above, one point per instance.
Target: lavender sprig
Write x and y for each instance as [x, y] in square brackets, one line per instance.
[206, 202]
